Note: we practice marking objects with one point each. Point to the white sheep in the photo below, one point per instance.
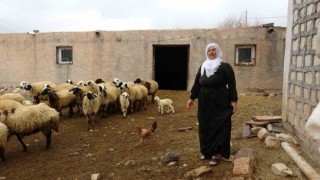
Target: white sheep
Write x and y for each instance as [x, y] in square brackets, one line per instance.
[90, 107]
[151, 85]
[28, 120]
[164, 103]
[60, 99]
[124, 102]
[13, 96]
[3, 140]
[9, 104]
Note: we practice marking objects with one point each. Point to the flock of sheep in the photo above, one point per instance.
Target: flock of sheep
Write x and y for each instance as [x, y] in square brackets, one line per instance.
[21, 117]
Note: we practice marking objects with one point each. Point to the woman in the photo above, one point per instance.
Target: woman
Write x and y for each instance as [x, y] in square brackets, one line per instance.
[215, 88]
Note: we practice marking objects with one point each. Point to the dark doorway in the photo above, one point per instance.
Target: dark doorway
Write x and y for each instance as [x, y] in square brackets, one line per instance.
[171, 66]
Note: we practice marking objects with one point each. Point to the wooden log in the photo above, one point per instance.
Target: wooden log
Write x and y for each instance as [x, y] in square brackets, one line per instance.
[308, 170]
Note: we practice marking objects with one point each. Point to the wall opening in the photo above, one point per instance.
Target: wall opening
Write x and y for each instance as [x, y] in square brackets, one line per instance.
[171, 66]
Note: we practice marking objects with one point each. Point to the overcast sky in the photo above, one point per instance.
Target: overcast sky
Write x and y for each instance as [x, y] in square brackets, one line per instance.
[90, 15]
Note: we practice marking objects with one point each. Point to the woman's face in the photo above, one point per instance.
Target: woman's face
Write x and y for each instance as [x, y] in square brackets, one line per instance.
[211, 53]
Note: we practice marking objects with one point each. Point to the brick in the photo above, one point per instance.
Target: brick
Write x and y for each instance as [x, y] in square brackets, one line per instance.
[243, 167]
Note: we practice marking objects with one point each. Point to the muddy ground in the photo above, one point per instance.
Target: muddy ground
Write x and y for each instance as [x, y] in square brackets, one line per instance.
[109, 149]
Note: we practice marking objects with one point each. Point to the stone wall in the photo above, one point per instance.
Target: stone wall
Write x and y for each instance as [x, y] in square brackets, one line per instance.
[302, 70]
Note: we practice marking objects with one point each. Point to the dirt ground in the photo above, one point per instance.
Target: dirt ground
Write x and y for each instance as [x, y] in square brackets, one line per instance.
[109, 149]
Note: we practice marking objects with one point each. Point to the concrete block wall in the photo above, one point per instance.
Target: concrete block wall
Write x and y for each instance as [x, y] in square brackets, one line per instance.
[303, 68]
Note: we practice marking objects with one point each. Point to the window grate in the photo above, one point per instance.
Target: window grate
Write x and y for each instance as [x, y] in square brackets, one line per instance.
[245, 55]
[64, 55]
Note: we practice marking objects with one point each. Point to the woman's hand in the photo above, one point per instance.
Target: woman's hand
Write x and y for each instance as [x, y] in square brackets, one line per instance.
[234, 105]
[189, 103]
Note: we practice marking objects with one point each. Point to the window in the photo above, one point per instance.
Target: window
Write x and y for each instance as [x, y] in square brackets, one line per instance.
[64, 55]
[245, 55]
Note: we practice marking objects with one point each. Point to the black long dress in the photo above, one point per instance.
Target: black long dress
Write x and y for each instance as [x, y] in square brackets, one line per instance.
[215, 94]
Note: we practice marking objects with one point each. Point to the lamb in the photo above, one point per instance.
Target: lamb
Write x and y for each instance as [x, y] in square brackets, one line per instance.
[60, 99]
[3, 140]
[109, 97]
[164, 103]
[28, 120]
[90, 107]
[35, 89]
[13, 96]
[124, 102]
[151, 85]
[137, 94]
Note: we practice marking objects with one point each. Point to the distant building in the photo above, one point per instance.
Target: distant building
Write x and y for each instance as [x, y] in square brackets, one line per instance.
[172, 57]
[301, 86]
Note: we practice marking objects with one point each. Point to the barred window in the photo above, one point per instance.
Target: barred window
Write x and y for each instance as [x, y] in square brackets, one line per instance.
[245, 55]
[64, 55]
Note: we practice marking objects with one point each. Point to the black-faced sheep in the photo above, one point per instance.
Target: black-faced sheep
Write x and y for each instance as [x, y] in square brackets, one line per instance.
[3, 140]
[81, 83]
[28, 120]
[35, 89]
[164, 103]
[13, 96]
[79, 92]
[90, 107]
[124, 102]
[151, 85]
[69, 81]
[59, 87]
[109, 96]
[98, 81]
[60, 99]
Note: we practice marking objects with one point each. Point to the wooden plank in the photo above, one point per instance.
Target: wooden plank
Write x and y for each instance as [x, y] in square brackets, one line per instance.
[260, 123]
[267, 118]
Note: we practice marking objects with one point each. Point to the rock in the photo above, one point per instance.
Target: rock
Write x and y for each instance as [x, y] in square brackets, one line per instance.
[276, 127]
[287, 138]
[170, 157]
[74, 154]
[263, 133]
[172, 163]
[281, 169]
[245, 152]
[246, 131]
[243, 166]
[197, 172]
[272, 142]
[256, 129]
[130, 163]
[96, 176]
[185, 129]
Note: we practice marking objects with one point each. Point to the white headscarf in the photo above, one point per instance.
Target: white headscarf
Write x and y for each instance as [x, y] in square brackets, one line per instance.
[211, 65]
